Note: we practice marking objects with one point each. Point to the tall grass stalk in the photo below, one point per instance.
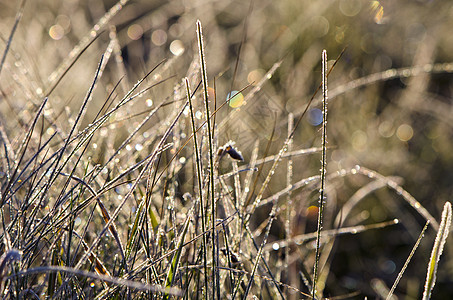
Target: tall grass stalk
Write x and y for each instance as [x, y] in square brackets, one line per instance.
[323, 170]
[200, 188]
[284, 148]
[289, 201]
[211, 190]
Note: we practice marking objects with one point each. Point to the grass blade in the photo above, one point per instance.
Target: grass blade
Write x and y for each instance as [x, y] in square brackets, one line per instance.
[323, 169]
[176, 258]
[400, 274]
[211, 155]
[438, 248]
[11, 35]
[200, 184]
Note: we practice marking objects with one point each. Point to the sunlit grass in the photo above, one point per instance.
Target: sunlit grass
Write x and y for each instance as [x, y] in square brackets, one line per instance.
[145, 157]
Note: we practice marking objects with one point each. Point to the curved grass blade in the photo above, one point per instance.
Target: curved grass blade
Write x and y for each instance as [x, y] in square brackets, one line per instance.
[400, 191]
[7, 258]
[438, 248]
[114, 280]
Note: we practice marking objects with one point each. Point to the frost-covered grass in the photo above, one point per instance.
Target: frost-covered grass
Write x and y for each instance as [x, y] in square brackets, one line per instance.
[144, 154]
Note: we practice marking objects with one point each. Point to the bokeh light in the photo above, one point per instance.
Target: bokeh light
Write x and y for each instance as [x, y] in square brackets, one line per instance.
[359, 140]
[159, 37]
[56, 32]
[404, 132]
[314, 116]
[255, 76]
[177, 48]
[65, 22]
[237, 100]
[378, 11]
[386, 129]
[350, 8]
[134, 32]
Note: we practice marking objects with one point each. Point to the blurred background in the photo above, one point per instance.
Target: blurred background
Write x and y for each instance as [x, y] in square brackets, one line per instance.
[398, 124]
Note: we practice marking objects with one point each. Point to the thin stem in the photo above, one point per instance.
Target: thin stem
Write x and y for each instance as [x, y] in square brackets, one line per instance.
[200, 189]
[211, 156]
[323, 169]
